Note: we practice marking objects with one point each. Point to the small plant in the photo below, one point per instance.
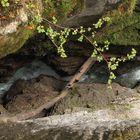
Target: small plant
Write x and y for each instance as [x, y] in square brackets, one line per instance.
[59, 35]
[5, 3]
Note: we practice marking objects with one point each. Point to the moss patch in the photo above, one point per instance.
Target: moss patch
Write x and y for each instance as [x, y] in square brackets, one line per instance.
[12, 42]
[124, 26]
[61, 9]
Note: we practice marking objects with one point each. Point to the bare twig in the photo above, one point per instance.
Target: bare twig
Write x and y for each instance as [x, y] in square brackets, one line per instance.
[72, 29]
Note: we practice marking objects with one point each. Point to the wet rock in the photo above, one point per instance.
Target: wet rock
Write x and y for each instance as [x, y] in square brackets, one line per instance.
[26, 95]
[29, 71]
[90, 111]
[130, 79]
[113, 1]
[10, 64]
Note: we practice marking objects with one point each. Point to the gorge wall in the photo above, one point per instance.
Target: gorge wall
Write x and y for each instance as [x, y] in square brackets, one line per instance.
[17, 25]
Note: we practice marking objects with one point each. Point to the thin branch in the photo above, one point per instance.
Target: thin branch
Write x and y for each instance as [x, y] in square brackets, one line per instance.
[62, 27]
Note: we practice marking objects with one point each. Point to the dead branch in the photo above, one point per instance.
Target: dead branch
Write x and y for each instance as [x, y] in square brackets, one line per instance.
[30, 114]
[84, 68]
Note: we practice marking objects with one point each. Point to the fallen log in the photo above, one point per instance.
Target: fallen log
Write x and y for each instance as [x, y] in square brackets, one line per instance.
[32, 113]
[83, 69]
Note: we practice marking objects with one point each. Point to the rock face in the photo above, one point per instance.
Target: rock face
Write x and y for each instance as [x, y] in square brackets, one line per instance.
[29, 71]
[122, 32]
[90, 111]
[124, 29]
[91, 12]
[14, 30]
[99, 125]
[19, 19]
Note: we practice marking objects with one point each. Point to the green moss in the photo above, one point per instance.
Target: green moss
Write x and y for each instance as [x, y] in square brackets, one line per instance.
[61, 9]
[124, 26]
[130, 5]
[12, 42]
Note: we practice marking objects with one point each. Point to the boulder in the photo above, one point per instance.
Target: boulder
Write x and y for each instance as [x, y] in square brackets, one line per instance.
[120, 123]
[123, 30]
[14, 26]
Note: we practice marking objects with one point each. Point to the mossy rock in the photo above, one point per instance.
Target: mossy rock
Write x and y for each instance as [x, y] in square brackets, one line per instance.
[124, 26]
[12, 42]
[61, 9]
[15, 26]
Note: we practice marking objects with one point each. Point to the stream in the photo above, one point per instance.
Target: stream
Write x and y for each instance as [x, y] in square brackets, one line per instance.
[27, 72]
[97, 75]
[90, 104]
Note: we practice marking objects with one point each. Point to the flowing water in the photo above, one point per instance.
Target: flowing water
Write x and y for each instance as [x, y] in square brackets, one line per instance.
[29, 71]
[98, 75]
